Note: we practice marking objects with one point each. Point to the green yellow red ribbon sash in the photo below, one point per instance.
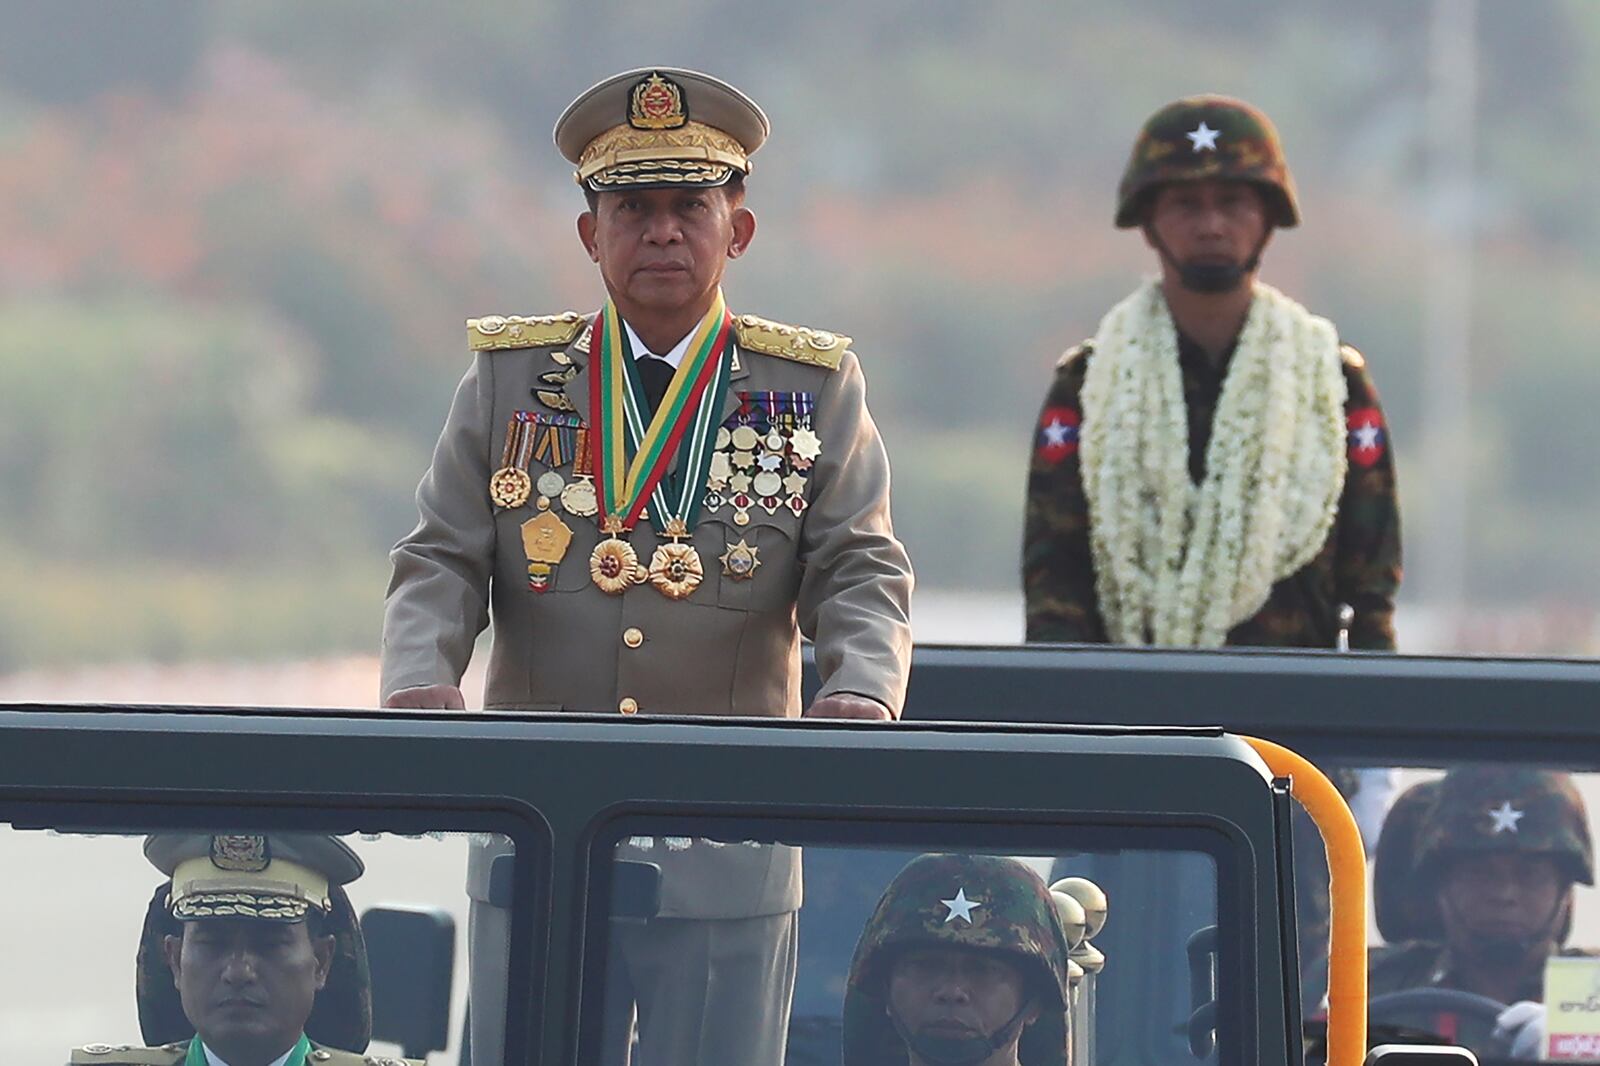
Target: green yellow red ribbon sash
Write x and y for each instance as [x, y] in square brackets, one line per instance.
[632, 457]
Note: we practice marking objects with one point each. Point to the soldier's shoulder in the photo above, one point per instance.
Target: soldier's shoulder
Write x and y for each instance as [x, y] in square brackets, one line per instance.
[800, 344]
[498, 332]
[129, 1054]
[1076, 356]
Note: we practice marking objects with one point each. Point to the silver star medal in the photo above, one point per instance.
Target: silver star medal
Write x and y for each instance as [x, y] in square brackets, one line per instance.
[1506, 818]
[960, 907]
[1203, 137]
[1055, 433]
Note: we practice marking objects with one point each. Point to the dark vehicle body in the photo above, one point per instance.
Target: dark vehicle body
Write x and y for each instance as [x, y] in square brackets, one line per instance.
[565, 788]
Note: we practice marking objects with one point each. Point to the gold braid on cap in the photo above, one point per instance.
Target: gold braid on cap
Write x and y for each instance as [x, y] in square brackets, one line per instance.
[265, 906]
[693, 147]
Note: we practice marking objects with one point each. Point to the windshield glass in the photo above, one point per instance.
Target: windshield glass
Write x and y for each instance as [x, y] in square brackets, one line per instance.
[810, 945]
[249, 937]
[1484, 922]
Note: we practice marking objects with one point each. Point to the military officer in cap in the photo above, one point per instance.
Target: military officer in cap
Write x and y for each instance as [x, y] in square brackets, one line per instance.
[251, 956]
[654, 502]
[1213, 466]
[963, 963]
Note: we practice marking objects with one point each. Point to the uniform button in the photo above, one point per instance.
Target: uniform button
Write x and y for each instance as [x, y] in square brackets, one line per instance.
[629, 705]
[633, 636]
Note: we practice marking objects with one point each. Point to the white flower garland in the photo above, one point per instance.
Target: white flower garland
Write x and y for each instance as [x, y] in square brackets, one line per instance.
[1178, 564]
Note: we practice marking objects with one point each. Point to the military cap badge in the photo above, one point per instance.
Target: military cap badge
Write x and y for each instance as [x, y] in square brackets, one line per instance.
[656, 104]
[240, 853]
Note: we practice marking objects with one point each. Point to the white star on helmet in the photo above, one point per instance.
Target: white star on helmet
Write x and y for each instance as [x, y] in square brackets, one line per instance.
[1506, 818]
[1203, 137]
[960, 907]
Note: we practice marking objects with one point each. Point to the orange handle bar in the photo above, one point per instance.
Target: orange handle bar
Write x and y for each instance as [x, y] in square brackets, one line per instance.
[1347, 898]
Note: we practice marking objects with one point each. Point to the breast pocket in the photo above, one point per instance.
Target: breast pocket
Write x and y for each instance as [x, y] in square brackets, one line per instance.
[757, 564]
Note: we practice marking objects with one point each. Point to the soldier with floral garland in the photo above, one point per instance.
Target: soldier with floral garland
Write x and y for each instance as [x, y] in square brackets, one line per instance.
[1213, 467]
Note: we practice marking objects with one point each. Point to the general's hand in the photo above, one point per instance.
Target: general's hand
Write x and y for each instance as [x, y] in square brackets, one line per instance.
[428, 698]
[1520, 1028]
[848, 705]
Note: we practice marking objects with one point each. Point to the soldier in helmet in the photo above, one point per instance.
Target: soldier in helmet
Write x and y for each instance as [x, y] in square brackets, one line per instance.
[1213, 466]
[251, 955]
[1482, 895]
[963, 963]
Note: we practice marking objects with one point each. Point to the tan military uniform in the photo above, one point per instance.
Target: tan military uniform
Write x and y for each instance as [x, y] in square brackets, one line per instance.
[834, 572]
[174, 1054]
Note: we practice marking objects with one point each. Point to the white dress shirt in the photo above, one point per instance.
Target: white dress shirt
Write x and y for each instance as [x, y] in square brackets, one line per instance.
[217, 1060]
[672, 358]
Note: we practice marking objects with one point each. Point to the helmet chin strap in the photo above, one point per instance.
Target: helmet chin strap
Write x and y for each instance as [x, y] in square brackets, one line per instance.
[1210, 278]
[959, 1050]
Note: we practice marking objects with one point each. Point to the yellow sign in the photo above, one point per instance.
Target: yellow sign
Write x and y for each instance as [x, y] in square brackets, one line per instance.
[1572, 1009]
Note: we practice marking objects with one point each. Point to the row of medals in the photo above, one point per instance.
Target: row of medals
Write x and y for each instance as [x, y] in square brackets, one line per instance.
[746, 468]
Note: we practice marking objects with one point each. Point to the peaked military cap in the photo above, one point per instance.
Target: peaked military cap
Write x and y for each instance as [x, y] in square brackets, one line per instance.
[660, 127]
[272, 877]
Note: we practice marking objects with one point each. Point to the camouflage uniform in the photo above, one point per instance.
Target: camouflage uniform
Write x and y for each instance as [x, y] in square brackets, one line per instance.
[1012, 914]
[1474, 810]
[1359, 564]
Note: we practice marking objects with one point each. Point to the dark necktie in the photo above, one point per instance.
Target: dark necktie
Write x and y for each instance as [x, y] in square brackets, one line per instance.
[655, 374]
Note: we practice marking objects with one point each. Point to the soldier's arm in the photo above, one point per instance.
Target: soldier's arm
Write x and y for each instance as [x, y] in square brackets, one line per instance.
[855, 590]
[1367, 563]
[1057, 565]
[437, 602]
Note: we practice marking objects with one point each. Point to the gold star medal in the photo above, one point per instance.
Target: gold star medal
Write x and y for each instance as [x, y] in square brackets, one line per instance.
[740, 562]
[806, 444]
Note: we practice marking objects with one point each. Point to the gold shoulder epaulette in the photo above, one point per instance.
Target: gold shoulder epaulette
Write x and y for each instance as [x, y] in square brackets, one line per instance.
[817, 347]
[1076, 352]
[129, 1055]
[493, 332]
[1352, 358]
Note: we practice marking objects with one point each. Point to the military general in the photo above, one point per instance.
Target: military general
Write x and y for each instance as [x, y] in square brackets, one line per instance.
[251, 956]
[654, 502]
[1213, 466]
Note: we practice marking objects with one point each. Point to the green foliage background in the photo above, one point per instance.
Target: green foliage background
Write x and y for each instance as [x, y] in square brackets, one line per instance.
[237, 242]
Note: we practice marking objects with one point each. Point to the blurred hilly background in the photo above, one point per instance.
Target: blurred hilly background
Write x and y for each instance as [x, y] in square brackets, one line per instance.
[238, 241]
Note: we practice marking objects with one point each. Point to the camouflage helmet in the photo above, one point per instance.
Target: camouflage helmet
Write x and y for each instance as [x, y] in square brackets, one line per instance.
[985, 902]
[1488, 809]
[1402, 904]
[1207, 137]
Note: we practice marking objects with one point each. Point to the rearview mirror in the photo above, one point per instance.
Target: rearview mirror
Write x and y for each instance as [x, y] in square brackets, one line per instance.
[411, 952]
